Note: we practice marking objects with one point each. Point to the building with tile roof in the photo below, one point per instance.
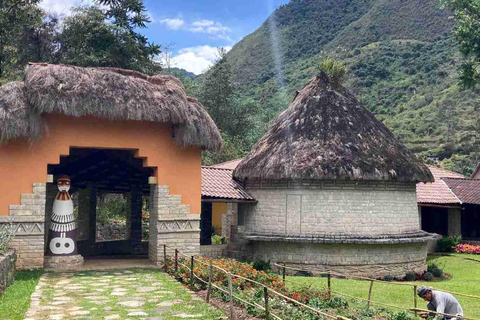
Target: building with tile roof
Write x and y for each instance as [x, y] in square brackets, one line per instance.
[450, 205]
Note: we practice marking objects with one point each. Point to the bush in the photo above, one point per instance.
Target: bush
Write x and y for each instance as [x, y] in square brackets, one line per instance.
[6, 235]
[427, 276]
[410, 276]
[262, 265]
[431, 267]
[388, 278]
[446, 244]
[437, 272]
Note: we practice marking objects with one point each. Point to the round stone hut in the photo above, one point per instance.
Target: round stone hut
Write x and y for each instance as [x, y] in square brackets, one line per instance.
[335, 190]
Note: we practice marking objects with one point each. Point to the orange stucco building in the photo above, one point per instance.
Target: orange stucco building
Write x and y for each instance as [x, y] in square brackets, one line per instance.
[110, 131]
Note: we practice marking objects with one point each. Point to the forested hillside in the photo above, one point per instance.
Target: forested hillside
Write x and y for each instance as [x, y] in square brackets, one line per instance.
[402, 61]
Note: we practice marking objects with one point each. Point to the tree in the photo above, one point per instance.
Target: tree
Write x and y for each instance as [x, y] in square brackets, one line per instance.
[467, 33]
[15, 15]
[89, 39]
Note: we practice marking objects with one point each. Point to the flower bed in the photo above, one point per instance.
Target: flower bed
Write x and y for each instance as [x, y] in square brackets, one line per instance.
[253, 293]
[467, 248]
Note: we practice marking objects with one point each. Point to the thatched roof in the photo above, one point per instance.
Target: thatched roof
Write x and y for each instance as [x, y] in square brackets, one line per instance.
[113, 94]
[325, 134]
[16, 118]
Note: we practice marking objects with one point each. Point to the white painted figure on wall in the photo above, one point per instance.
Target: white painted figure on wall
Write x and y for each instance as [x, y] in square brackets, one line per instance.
[62, 238]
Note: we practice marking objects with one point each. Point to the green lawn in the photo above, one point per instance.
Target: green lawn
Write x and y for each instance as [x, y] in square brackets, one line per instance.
[16, 300]
[467, 255]
[466, 279]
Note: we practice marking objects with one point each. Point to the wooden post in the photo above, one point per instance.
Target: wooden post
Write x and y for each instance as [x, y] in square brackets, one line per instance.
[265, 295]
[210, 276]
[230, 289]
[415, 298]
[329, 286]
[176, 261]
[165, 266]
[283, 272]
[370, 294]
[192, 278]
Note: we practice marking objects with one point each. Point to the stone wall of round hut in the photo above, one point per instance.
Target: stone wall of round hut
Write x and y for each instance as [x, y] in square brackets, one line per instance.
[353, 227]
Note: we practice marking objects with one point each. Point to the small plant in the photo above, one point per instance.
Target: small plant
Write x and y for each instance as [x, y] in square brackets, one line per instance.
[402, 315]
[216, 239]
[338, 302]
[335, 70]
[262, 265]
[427, 276]
[6, 234]
[388, 278]
[447, 244]
[410, 276]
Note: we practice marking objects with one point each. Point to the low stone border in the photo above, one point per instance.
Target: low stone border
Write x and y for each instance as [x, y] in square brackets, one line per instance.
[64, 262]
[7, 270]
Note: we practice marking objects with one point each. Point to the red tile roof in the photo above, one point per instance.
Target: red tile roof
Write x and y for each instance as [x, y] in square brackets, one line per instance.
[437, 192]
[219, 183]
[232, 164]
[467, 190]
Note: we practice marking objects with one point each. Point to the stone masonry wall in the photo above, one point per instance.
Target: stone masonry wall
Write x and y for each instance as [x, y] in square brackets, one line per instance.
[352, 259]
[28, 221]
[214, 251]
[171, 223]
[324, 207]
[229, 219]
[7, 270]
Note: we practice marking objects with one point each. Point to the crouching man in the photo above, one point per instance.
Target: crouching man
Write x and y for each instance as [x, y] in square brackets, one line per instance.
[441, 302]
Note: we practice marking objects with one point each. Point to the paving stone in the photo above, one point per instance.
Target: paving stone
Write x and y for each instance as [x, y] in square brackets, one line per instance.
[186, 315]
[131, 303]
[146, 289]
[112, 317]
[137, 314]
[79, 313]
[56, 316]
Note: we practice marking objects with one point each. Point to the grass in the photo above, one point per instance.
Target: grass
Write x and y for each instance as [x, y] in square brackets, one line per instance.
[467, 255]
[465, 279]
[16, 300]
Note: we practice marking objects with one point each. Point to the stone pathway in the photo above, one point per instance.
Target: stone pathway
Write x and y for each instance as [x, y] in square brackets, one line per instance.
[116, 294]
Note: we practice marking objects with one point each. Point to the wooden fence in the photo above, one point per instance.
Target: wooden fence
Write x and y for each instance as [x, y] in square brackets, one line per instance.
[267, 291]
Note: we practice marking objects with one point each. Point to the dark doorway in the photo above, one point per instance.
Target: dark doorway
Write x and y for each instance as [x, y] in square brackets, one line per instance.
[435, 220]
[471, 222]
[206, 224]
[99, 173]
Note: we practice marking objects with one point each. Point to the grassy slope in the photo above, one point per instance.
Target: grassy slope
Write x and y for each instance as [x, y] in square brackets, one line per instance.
[466, 279]
[16, 300]
[404, 81]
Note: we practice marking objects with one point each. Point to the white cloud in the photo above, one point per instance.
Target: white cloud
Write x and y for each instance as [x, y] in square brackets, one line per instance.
[173, 24]
[203, 23]
[64, 6]
[196, 59]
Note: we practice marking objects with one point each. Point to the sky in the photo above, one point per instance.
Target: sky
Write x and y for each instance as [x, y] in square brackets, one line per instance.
[193, 29]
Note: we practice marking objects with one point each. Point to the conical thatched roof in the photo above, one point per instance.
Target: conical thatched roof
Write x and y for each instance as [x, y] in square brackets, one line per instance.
[106, 93]
[326, 134]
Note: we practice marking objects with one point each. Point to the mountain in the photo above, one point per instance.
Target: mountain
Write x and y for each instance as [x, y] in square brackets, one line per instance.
[179, 73]
[402, 61]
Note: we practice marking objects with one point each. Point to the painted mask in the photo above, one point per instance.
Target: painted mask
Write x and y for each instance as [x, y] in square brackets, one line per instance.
[63, 183]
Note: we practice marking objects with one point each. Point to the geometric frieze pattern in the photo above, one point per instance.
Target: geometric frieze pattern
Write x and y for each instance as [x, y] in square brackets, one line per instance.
[177, 225]
[24, 228]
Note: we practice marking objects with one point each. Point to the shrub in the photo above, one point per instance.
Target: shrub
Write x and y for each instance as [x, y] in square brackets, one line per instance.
[427, 276]
[338, 302]
[410, 276]
[431, 267]
[6, 235]
[446, 244]
[388, 278]
[262, 265]
[437, 272]
[467, 248]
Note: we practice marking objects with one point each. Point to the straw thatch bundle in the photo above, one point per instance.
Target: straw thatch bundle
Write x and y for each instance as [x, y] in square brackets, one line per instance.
[16, 118]
[326, 134]
[117, 94]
